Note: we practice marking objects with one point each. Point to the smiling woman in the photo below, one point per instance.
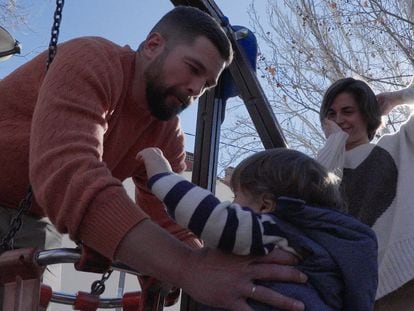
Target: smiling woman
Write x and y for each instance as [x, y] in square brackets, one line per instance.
[345, 115]
[376, 177]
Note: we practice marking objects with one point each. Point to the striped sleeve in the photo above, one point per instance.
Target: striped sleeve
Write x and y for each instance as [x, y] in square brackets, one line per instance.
[223, 225]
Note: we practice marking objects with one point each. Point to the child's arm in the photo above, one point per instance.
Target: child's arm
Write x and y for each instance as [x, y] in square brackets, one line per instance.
[155, 162]
[222, 225]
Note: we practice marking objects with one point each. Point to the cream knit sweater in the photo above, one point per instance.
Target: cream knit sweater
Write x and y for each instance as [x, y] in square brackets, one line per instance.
[388, 167]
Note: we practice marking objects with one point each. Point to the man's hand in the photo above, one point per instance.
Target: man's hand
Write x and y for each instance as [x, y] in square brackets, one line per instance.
[208, 275]
[227, 280]
[329, 127]
[154, 161]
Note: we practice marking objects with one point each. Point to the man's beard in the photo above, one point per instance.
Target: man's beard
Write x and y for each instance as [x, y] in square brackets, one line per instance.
[158, 103]
[157, 93]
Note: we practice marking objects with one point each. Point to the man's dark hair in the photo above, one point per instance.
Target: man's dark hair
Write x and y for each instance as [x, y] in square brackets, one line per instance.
[184, 24]
[364, 97]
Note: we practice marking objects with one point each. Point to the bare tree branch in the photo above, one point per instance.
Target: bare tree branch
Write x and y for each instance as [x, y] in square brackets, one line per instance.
[306, 45]
[11, 14]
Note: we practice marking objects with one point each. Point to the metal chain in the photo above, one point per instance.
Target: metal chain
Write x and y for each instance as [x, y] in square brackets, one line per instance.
[98, 287]
[55, 32]
[16, 222]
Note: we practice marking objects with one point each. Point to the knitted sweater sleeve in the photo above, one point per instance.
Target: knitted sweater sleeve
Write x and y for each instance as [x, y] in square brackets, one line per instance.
[408, 93]
[394, 227]
[70, 181]
[223, 225]
[332, 154]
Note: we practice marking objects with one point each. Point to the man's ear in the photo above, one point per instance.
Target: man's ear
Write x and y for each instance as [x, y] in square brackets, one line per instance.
[154, 44]
[268, 203]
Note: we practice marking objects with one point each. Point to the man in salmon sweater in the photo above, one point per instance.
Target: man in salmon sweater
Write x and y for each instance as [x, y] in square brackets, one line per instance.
[73, 132]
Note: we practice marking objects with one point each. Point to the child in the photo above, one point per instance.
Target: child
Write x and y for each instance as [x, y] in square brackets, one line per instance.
[287, 200]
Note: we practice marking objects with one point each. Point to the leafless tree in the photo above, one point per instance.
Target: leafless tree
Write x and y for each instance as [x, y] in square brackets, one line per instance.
[11, 14]
[306, 45]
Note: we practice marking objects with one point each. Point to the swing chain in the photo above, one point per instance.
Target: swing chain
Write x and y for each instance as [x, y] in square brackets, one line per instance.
[98, 287]
[16, 222]
[6, 242]
[55, 31]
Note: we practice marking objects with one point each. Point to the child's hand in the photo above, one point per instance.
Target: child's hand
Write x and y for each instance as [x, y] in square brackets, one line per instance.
[154, 161]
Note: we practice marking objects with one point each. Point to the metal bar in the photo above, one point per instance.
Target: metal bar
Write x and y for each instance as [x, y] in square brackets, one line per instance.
[121, 286]
[72, 255]
[246, 81]
[20, 279]
[21, 295]
[256, 102]
[210, 114]
[154, 293]
[68, 299]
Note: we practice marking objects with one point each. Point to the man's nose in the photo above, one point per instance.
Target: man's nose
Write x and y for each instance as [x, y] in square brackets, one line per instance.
[196, 87]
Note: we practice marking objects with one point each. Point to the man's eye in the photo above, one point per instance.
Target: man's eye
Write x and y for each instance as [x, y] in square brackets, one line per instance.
[194, 69]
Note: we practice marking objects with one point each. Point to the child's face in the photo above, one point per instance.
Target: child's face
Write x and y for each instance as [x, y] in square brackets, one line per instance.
[245, 199]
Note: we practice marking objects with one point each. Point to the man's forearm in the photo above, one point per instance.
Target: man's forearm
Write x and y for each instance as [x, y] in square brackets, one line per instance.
[150, 250]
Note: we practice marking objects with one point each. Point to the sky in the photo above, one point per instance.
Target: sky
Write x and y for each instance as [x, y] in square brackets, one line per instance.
[121, 21]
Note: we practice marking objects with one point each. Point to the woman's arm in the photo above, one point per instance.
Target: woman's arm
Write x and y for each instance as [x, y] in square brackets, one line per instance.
[389, 100]
[332, 154]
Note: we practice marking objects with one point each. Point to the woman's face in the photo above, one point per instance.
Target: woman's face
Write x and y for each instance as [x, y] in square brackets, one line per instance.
[345, 112]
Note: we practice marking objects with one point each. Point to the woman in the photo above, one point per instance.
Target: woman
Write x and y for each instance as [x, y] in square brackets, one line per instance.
[377, 178]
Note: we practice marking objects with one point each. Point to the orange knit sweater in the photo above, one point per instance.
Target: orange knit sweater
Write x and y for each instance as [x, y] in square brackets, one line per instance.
[82, 129]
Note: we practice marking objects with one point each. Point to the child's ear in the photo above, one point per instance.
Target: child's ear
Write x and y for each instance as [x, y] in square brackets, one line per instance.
[268, 203]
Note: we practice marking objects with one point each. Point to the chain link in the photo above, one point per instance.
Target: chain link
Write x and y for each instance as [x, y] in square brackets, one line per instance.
[57, 18]
[98, 287]
[16, 222]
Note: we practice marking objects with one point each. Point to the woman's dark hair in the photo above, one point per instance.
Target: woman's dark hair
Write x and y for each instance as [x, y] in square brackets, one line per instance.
[290, 173]
[185, 24]
[364, 97]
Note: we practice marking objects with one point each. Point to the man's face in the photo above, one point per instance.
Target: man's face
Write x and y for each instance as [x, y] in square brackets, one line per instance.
[179, 75]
